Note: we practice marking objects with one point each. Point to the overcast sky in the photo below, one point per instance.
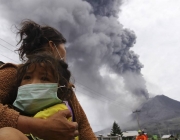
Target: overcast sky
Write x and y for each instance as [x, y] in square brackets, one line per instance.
[156, 24]
[157, 27]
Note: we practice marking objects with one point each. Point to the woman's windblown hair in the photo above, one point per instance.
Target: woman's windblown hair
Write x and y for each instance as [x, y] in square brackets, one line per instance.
[34, 38]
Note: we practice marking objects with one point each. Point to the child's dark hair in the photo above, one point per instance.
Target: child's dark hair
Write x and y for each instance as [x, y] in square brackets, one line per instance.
[34, 37]
[58, 68]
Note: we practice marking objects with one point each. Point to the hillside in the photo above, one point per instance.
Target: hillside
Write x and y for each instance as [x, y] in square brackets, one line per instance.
[159, 108]
[158, 113]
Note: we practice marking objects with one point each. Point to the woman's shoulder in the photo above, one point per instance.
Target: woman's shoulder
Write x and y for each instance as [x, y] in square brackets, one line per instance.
[8, 69]
[8, 66]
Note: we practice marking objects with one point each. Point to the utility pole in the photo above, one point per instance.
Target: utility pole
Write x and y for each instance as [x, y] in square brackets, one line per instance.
[157, 124]
[168, 128]
[137, 116]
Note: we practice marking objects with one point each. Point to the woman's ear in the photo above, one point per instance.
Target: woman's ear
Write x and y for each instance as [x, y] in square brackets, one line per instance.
[51, 45]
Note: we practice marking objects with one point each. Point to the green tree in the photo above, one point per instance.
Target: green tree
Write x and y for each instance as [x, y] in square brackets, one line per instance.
[116, 130]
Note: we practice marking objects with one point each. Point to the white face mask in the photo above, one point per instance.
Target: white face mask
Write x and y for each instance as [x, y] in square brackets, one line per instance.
[32, 98]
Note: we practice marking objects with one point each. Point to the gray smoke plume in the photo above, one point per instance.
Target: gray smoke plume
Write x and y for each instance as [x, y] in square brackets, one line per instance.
[105, 7]
[97, 42]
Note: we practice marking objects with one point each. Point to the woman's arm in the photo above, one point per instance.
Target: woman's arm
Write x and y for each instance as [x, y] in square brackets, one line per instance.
[85, 130]
[8, 117]
[56, 127]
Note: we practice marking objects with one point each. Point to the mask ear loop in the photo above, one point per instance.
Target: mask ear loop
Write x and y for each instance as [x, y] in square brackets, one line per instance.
[58, 52]
[61, 87]
[56, 49]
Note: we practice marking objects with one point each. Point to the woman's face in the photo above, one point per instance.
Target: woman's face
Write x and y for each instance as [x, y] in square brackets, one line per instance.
[38, 74]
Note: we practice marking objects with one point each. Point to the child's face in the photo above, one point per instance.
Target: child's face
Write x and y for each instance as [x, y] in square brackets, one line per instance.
[38, 74]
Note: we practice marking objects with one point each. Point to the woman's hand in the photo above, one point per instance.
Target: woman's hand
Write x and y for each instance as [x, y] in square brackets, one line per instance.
[55, 127]
[61, 128]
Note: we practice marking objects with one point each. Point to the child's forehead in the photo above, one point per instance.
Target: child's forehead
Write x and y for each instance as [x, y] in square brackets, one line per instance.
[43, 67]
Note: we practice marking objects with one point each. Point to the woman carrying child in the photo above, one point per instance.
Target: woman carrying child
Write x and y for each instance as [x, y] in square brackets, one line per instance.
[43, 87]
[36, 39]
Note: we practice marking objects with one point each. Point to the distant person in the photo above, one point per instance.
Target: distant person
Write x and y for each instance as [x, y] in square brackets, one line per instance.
[140, 136]
[143, 133]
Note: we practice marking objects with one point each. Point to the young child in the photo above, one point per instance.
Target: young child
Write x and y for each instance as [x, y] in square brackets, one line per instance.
[43, 87]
